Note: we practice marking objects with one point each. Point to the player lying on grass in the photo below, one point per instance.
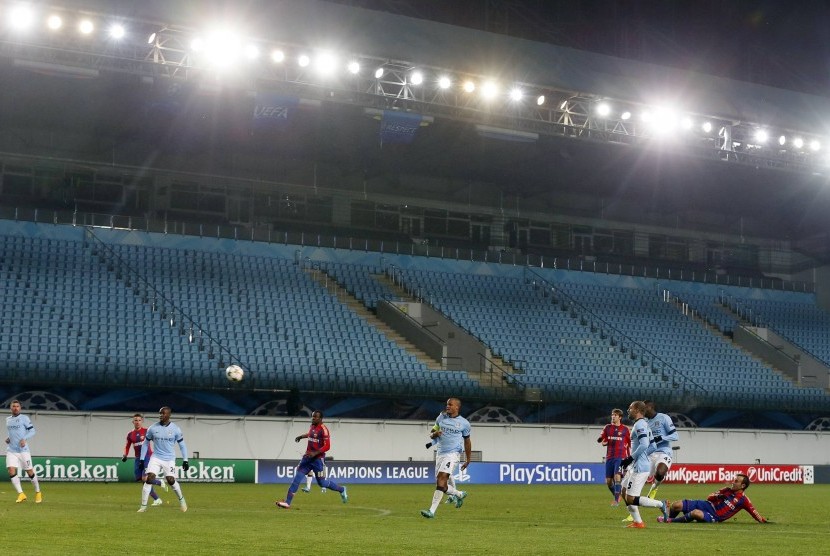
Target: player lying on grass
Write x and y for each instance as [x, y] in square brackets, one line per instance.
[718, 506]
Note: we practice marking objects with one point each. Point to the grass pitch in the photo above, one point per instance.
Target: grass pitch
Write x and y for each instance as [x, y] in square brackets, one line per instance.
[101, 519]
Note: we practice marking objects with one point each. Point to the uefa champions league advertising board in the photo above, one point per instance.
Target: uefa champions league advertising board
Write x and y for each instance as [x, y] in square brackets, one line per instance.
[349, 472]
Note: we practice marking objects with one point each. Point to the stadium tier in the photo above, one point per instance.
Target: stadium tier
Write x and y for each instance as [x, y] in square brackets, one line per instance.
[104, 308]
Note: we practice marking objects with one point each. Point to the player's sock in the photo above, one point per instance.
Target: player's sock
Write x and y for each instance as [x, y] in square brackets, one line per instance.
[648, 502]
[652, 492]
[308, 482]
[16, 482]
[177, 488]
[328, 483]
[635, 513]
[681, 519]
[153, 494]
[35, 483]
[452, 491]
[616, 491]
[145, 493]
[436, 500]
[157, 482]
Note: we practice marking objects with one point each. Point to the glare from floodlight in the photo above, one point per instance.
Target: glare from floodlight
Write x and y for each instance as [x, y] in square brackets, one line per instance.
[353, 67]
[416, 78]
[303, 60]
[540, 100]
[21, 18]
[469, 86]
[325, 63]
[706, 127]
[489, 90]
[647, 117]
[444, 82]
[603, 109]
[798, 142]
[117, 31]
[86, 27]
[378, 73]
[687, 123]
[815, 145]
[761, 136]
[54, 22]
[516, 94]
[251, 52]
[625, 115]
[197, 44]
[782, 140]
[277, 56]
[665, 120]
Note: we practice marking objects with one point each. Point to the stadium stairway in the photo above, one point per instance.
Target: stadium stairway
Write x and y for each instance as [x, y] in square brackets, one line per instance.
[507, 385]
[357, 307]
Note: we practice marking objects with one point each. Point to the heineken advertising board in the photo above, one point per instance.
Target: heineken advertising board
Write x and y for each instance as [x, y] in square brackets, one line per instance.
[106, 470]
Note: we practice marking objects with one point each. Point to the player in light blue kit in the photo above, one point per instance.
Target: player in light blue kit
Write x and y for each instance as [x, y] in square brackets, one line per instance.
[642, 445]
[164, 436]
[18, 456]
[662, 428]
[453, 435]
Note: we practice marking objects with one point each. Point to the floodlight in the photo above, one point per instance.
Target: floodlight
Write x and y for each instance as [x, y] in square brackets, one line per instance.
[303, 60]
[782, 140]
[444, 82]
[86, 27]
[416, 78]
[761, 136]
[603, 109]
[625, 115]
[152, 38]
[489, 90]
[798, 142]
[117, 31]
[353, 67]
[469, 86]
[815, 145]
[54, 22]
[197, 44]
[21, 18]
[516, 94]
[325, 63]
[706, 127]
[277, 56]
[378, 73]
[540, 100]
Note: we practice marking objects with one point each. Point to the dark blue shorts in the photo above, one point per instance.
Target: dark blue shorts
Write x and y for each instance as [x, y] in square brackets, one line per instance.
[704, 506]
[613, 467]
[307, 465]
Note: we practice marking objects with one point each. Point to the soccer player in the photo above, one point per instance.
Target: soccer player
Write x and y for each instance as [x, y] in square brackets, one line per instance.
[718, 506]
[18, 456]
[164, 435]
[638, 465]
[135, 439]
[617, 440]
[453, 432]
[663, 430]
[451, 478]
[319, 442]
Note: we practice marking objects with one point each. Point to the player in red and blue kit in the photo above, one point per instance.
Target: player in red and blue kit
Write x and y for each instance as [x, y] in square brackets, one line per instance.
[135, 438]
[617, 439]
[319, 442]
[718, 506]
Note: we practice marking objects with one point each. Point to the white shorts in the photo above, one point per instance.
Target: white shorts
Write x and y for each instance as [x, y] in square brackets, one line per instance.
[19, 460]
[633, 482]
[446, 463]
[161, 467]
[656, 458]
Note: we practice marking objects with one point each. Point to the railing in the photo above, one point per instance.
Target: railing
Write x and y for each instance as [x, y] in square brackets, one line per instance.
[514, 258]
[686, 385]
[500, 379]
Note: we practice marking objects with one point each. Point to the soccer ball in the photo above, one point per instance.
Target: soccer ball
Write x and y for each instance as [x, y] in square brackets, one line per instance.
[234, 373]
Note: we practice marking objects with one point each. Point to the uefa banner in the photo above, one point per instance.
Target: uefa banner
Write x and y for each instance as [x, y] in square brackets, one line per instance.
[110, 470]
[757, 473]
[350, 472]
